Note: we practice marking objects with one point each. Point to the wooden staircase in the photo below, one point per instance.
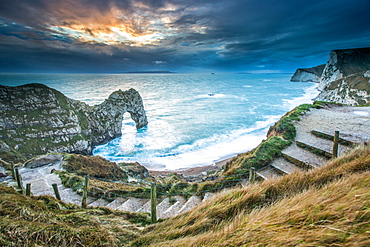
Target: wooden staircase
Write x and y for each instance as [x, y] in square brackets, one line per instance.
[305, 155]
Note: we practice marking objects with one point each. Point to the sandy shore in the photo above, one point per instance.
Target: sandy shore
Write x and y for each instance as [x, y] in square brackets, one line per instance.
[194, 171]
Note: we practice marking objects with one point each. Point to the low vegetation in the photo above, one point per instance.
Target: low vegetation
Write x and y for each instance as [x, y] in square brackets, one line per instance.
[279, 137]
[94, 166]
[106, 179]
[329, 206]
[45, 221]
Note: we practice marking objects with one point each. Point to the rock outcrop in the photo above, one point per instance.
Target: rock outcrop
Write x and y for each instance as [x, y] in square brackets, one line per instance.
[343, 63]
[308, 74]
[36, 119]
[350, 90]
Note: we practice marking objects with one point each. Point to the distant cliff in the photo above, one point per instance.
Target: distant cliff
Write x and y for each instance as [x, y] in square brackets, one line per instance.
[36, 119]
[308, 74]
[343, 63]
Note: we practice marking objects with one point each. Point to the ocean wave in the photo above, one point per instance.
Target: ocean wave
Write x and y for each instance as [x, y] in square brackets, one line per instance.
[308, 96]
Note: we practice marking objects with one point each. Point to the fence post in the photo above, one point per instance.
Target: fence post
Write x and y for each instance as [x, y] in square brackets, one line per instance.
[18, 178]
[84, 193]
[12, 170]
[153, 204]
[335, 144]
[56, 191]
[252, 174]
[28, 189]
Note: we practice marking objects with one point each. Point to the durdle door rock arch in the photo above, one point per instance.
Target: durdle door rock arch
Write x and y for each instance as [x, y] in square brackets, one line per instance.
[36, 119]
[108, 115]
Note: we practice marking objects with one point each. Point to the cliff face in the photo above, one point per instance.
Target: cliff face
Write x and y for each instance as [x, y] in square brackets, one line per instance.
[343, 63]
[350, 90]
[36, 119]
[308, 74]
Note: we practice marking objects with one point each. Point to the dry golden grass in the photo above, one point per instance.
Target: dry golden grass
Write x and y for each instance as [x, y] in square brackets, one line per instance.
[329, 206]
[44, 221]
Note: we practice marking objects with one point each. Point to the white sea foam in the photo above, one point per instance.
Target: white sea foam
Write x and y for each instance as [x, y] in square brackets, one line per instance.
[307, 98]
[187, 126]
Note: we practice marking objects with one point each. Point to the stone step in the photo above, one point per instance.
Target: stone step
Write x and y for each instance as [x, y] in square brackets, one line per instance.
[162, 207]
[146, 208]
[317, 149]
[302, 158]
[174, 209]
[116, 203]
[99, 203]
[191, 203]
[208, 195]
[39, 187]
[132, 204]
[344, 139]
[267, 172]
[284, 166]
[68, 195]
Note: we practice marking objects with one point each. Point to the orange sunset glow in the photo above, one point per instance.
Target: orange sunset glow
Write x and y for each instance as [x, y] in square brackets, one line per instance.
[176, 35]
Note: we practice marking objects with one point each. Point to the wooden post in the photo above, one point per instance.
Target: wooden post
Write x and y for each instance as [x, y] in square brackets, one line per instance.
[252, 174]
[336, 144]
[18, 178]
[153, 202]
[84, 192]
[12, 170]
[56, 191]
[28, 189]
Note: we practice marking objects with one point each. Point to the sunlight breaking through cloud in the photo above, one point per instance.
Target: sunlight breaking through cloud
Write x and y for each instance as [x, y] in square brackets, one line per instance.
[139, 28]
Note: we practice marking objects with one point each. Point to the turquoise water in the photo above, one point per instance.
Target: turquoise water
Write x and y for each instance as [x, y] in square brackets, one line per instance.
[194, 119]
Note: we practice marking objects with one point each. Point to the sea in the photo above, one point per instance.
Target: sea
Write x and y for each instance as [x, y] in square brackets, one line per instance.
[194, 119]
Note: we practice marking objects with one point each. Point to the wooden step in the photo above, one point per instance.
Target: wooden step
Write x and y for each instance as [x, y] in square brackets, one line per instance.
[342, 140]
[316, 149]
[116, 203]
[267, 172]
[191, 203]
[321, 147]
[99, 203]
[302, 158]
[162, 207]
[208, 195]
[172, 210]
[284, 166]
[132, 204]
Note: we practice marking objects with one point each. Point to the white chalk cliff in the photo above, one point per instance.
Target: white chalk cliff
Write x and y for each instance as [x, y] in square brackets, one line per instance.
[344, 78]
[343, 63]
[308, 74]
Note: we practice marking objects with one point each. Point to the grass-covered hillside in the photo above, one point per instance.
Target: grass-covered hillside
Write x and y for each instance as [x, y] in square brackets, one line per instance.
[44, 221]
[329, 206]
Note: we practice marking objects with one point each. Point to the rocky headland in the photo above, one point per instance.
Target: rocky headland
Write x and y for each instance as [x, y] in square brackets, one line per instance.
[36, 119]
[308, 74]
[343, 79]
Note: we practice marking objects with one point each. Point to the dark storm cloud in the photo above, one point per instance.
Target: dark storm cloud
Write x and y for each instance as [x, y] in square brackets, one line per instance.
[228, 35]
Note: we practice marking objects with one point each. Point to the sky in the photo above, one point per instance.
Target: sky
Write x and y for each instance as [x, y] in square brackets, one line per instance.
[184, 36]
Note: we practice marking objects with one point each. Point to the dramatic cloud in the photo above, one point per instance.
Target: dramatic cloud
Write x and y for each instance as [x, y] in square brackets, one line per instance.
[178, 35]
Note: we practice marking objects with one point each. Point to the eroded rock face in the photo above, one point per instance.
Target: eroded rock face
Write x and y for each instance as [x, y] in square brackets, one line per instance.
[36, 119]
[343, 63]
[308, 74]
[350, 90]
